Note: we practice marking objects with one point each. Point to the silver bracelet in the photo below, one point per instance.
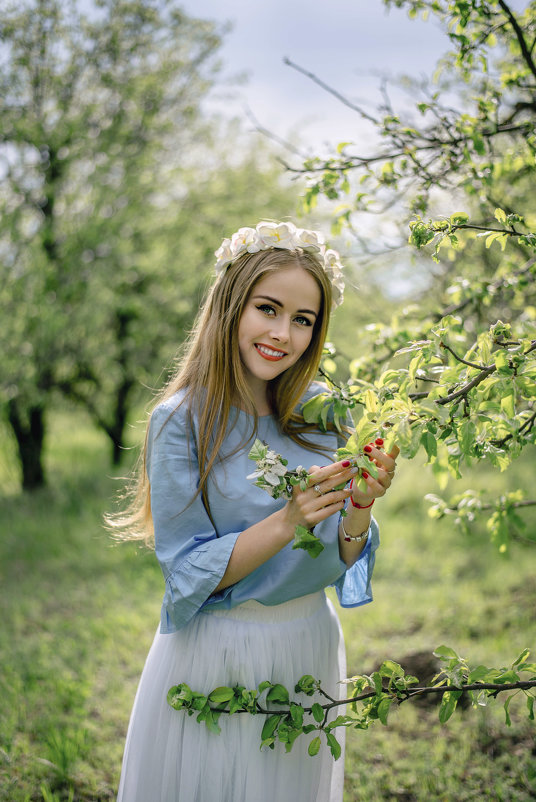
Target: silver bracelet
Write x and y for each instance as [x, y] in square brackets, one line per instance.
[356, 538]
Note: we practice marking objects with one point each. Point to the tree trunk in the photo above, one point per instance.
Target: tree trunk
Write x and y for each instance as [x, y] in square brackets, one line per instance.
[29, 429]
[117, 432]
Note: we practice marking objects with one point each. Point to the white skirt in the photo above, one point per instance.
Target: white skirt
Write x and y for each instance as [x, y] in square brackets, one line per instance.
[169, 757]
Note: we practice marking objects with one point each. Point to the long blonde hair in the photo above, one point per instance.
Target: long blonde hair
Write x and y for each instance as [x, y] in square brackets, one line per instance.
[211, 375]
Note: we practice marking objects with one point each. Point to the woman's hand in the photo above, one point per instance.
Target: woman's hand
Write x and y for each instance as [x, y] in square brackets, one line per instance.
[387, 466]
[321, 499]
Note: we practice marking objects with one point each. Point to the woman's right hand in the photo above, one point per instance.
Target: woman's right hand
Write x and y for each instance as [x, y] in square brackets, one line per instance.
[308, 507]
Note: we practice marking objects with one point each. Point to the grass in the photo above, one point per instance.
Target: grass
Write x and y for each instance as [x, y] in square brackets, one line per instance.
[78, 615]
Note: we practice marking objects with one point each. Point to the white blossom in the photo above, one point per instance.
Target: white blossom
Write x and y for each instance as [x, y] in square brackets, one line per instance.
[285, 236]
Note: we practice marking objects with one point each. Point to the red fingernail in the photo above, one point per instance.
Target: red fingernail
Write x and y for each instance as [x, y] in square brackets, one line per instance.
[367, 449]
[379, 441]
[364, 474]
[346, 463]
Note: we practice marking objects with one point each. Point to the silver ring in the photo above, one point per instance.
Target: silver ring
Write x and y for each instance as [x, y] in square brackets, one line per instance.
[317, 490]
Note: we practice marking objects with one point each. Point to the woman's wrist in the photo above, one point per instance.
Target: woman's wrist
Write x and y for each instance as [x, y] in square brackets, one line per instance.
[356, 521]
[358, 505]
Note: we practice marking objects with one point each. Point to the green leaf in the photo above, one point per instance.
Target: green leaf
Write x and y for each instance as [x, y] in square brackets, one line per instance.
[318, 712]
[270, 726]
[389, 668]
[334, 745]
[312, 409]
[467, 435]
[446, 653]
[371, 401]
[508, 404]
[279, 694]
[220, 696]
[448, 705]
[430, 444]
[258, 451]
[305, 539]
[500, 215]
[383, 709]
[296, 714]
[522, 658]
[479, 674]
[306, 684]
[314, 746]
[506, 705]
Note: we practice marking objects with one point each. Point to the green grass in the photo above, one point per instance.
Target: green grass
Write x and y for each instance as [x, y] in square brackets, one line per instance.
[78, 616]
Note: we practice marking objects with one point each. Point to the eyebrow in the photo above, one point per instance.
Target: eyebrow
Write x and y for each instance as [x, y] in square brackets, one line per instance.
[280, 305]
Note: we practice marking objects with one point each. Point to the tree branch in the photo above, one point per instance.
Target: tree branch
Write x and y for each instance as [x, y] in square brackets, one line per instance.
[331, 91]
[520, 38]
[463, 361]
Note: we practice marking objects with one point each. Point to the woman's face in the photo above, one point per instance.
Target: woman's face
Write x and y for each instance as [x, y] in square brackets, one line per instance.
[277, 324]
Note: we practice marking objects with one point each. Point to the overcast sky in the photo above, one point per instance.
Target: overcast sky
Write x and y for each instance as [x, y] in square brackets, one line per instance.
[346, 43]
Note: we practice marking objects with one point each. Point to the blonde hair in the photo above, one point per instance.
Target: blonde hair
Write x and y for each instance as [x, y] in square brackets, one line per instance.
[211, 376]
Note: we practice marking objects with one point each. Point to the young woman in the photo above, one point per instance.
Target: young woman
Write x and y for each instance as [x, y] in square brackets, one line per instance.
[241, 606]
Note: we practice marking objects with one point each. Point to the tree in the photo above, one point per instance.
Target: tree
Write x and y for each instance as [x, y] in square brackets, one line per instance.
[455, 379]
[111, 178]
[97, 111]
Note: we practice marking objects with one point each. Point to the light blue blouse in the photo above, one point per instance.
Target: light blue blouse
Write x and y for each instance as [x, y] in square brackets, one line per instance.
[193, 554]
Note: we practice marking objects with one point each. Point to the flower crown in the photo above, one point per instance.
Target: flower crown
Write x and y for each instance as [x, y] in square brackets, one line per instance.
[286, 236]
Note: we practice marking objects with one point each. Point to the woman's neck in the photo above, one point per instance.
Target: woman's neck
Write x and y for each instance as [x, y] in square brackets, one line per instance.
[259, 391]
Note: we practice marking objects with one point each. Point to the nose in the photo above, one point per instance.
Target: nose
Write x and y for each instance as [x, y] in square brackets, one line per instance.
[280, 329]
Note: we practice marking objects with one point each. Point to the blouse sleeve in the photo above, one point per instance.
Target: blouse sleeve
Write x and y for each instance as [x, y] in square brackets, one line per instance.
[192, 556]
[354, 586]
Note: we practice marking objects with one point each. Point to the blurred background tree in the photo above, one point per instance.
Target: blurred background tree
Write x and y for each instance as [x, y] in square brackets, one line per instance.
[111, 177]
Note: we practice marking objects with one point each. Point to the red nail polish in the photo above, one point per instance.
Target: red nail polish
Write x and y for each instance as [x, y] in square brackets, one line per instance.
[379, 441]
[367, 449]
[346, 463]
[364, 474]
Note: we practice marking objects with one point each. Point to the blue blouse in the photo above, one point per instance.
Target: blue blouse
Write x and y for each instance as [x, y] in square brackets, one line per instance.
[193, 553]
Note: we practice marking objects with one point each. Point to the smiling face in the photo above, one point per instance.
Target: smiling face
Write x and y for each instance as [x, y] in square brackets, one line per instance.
[276, 326]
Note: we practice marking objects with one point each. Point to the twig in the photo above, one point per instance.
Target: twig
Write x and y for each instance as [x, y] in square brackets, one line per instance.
[464, 361]
[407, 693]
[330, 89]
[520, 38]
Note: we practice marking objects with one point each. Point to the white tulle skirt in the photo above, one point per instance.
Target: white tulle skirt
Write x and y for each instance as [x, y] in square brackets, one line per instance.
[169, 757]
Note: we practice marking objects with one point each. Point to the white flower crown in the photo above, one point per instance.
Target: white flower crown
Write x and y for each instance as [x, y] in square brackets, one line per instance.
[282, 235]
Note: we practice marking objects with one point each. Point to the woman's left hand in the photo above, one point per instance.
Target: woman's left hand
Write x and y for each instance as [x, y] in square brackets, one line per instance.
[387, 467]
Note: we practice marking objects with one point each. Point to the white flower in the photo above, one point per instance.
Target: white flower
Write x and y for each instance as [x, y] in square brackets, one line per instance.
[224, 255]
[241, 241]
[285, 236]
[309, 240]
[276, 235]
[272, 478]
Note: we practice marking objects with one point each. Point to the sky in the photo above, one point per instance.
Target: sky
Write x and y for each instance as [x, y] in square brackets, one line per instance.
[346, 43]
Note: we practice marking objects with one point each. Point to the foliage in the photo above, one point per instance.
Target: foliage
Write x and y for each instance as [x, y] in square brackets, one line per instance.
[112, 180]
[370, 700]
[454, 374]
[273, 476]
[91, 105]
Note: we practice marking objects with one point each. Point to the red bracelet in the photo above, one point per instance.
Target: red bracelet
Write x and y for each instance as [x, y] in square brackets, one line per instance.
[360, 506]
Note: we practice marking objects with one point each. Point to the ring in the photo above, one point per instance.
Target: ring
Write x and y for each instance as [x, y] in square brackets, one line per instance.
[391, 473]
[317, 490]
